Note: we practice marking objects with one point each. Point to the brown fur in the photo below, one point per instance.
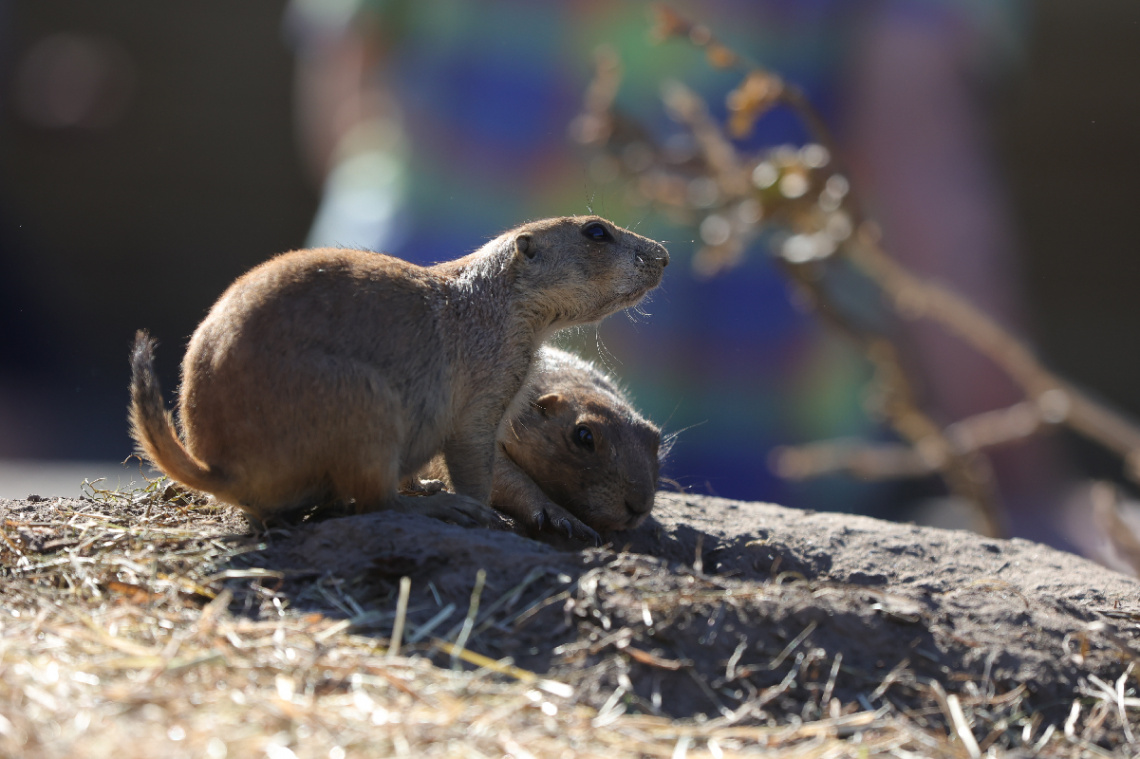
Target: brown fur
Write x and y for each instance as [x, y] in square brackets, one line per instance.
[546, 475]
[332, 374]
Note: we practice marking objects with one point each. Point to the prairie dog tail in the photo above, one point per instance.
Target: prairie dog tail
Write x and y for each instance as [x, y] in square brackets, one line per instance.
[152, 426]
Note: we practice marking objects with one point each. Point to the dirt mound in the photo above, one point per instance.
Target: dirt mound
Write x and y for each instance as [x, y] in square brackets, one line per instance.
[744, 625]
[716, 602]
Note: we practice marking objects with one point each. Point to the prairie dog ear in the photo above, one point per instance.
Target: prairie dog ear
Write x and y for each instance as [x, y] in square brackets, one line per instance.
[524, 245]
[550, 403]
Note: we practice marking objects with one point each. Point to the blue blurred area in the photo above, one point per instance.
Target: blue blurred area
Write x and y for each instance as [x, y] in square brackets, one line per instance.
[482, 102]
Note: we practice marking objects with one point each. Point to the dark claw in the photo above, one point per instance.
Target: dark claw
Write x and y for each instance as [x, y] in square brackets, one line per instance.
[540, 521]
[564, 525]
[592, 535]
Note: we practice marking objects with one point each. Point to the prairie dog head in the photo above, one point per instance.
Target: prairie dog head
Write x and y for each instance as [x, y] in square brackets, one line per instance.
[588, 450]
[580, 269]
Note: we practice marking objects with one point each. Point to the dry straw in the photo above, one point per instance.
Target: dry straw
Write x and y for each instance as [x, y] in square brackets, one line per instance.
[134, 625]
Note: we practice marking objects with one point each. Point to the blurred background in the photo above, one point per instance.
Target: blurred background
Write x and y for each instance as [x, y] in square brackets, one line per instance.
[150, 153]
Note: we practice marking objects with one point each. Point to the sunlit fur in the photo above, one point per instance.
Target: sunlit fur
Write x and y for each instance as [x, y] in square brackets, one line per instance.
[332, 374]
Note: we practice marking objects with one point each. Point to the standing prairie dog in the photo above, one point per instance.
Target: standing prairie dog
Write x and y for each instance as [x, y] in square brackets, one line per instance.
[332, 374]
[573, 453]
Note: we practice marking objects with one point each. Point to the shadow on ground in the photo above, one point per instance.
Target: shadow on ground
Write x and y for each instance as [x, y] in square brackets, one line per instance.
[738, 610]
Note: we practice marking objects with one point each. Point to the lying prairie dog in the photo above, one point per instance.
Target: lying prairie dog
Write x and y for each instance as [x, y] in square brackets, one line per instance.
[573, 452]
[331, 375]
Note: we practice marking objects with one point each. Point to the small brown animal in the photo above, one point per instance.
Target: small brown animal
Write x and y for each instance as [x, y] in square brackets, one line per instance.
[576, 455]
[333, 374]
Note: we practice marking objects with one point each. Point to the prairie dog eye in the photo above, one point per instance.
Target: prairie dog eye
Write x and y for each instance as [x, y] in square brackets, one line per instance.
[584, 437]
[597, 232]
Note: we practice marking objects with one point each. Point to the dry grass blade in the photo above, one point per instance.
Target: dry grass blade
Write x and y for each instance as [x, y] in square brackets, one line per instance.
[401, 617]
[469, 623]
[792, 645]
